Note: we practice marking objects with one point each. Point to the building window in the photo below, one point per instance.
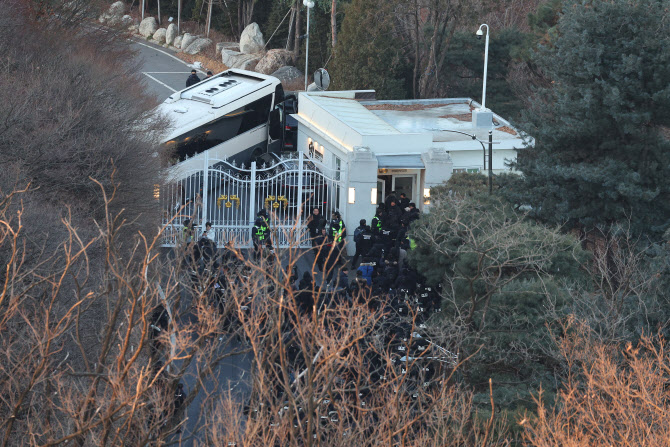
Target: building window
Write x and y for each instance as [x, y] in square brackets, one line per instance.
[315, 151]
[338, 167]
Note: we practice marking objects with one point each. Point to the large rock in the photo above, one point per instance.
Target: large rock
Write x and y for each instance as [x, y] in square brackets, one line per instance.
[234, 59]
[187, 40]
[288, 74]
[227, 46]
[171, 34]
[177, 41]
[112, 20]
[251, 40]
[249, 64]
[116, 9]
[159, 35]
[274, 60]
[197, 46]
[148, 26]
[112, 17]
[126, 21]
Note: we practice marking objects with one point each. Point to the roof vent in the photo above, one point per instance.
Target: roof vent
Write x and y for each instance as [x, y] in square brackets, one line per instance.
[221, 87]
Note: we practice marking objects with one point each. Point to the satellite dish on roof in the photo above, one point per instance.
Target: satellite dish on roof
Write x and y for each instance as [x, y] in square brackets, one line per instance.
[322, 79]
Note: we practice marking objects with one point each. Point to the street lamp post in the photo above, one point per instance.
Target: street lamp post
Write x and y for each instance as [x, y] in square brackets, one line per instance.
[480, 33]
[310, 5]
[490, 161]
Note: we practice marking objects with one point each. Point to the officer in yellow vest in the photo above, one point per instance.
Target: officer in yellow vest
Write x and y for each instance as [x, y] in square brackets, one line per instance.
[338, 234]
[260, 232]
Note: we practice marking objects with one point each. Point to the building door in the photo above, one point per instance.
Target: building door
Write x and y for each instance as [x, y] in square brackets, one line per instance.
[404, 183]
[384, 183]
[381, 185]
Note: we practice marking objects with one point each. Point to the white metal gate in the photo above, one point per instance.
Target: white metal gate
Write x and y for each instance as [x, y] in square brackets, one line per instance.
[229, 197]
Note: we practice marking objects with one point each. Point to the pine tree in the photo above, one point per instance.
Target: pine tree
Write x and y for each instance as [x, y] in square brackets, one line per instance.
[505, 281]
[600, 155]
[368, 55]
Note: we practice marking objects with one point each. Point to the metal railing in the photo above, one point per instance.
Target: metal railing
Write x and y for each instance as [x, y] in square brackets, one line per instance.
[229, 197]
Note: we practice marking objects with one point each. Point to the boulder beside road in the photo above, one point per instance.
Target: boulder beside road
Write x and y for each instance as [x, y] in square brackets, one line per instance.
[274, 60]
[177, 41]
[187, 40]
[170, 34]
[197, 46]
[116, 9]
[112, 17]
[288, 74]
[235, 59]
[148, 26]
[159, 35]
[126, 21]
[251, 40]
[227, 46]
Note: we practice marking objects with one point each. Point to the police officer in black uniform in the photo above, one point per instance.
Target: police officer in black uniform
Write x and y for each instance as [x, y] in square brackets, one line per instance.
[363, 239]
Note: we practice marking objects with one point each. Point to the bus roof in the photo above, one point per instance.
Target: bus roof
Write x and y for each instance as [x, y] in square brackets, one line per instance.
[207, 100]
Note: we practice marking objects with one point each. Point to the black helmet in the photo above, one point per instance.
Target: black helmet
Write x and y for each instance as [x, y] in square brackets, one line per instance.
[262, 213]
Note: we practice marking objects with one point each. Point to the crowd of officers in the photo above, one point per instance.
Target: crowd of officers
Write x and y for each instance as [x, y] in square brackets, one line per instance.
[381, 247]
[383, 281]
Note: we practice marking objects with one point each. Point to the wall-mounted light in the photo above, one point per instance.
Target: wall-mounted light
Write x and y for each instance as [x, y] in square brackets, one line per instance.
[426, 196]
[157, 192]
[373, 196]
[352, 195]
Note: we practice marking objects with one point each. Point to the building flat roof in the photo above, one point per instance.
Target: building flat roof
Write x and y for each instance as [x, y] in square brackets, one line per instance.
[440, 117]
[354, 115]
[396, 127]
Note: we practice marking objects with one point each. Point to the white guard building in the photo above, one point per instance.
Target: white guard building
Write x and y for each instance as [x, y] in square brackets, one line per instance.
[404, 146]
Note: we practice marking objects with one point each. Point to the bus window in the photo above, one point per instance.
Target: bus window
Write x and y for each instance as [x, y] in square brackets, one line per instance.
[279, 95]
[256, 113]
[223, 129]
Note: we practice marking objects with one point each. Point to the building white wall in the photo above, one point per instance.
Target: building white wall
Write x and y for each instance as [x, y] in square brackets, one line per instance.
[362, 176]
[472, 159]
[438, 170]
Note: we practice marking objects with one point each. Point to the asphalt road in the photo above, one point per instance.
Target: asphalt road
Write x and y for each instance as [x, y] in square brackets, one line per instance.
[164, 73]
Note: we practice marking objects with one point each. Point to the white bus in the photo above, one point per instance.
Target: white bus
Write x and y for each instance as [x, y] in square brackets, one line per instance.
[233, 115]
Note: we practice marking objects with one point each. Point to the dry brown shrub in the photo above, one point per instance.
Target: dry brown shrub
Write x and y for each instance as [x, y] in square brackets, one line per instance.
[611, 395]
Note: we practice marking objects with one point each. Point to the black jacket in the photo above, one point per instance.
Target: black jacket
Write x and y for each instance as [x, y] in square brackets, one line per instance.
[207, 248]
[412, 215]
[192, 80]
[315, 224]
[363, 238]
[393, 217]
